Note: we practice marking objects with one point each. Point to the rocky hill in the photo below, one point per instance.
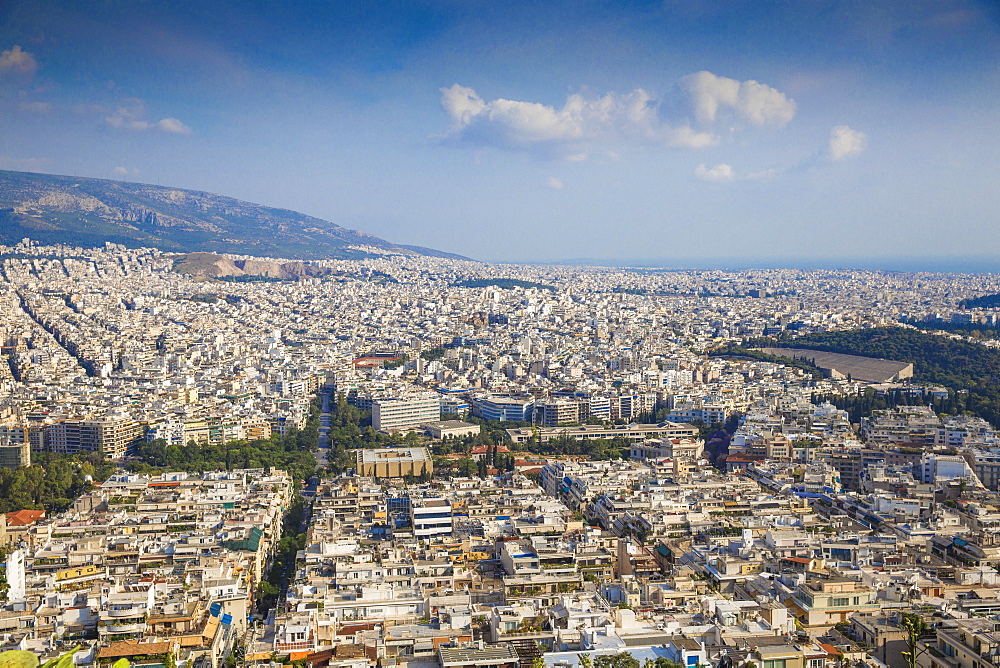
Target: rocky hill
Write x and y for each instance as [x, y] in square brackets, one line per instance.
[88, 212]
[211, 265]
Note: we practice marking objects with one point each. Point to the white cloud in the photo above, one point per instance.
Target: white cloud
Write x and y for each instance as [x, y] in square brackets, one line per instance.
[461, 104]
[749, 100]
[554, 183]
[583, 124]
[173, 126]
[530, 122]
[131, 115]
[846, 143]
[16, 61]
[721, 173]
[685, 137]
[119, 172]
[519, 124]
[708, 92]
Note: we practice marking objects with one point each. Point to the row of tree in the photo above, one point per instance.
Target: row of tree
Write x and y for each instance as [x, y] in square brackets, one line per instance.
[291, 452]
[283, 453]
[283, 567]
[623, 660]
[864, 402]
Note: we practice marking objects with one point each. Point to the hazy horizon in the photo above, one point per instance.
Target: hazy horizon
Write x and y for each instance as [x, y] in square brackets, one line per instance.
[954, 265]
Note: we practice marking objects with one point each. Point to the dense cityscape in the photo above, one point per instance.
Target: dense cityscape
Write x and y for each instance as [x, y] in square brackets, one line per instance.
[415, 461]
[481, 334]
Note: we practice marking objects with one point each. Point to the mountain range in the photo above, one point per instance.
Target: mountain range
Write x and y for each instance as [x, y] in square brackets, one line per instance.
[88, 212]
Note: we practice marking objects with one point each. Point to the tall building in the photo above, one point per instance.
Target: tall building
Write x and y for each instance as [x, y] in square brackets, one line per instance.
[430, 517]
[14, 573]
[112, 436]
[14, 453]
[556, 412]
[404, 412]
[503, 409]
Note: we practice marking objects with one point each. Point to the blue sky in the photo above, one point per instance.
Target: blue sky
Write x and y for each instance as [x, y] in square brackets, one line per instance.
[708, 131]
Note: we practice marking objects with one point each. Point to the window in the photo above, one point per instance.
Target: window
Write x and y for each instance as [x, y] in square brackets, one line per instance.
[774, 663]
[816, 663]
[840, 601]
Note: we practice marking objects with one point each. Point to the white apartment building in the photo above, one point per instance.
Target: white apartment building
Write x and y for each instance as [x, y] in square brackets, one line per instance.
[404, 412]
[431, 517]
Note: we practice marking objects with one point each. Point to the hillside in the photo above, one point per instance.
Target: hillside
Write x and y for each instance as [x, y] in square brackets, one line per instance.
[219, 266]
[88, 212]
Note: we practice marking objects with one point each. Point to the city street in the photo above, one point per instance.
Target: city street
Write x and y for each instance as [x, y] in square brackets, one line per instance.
[324, 427]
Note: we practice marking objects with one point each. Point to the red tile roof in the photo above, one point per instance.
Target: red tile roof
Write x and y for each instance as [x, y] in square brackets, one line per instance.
[21, 518]
[127, 648]
[830, 649]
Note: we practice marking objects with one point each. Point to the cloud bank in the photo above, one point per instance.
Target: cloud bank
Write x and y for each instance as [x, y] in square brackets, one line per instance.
[580, 123]
[585, 123]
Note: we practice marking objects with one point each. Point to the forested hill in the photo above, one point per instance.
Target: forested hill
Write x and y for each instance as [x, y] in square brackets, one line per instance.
[941, 360]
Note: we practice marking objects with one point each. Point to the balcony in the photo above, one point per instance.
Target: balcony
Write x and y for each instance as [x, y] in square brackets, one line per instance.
[124, 612]
[114, 629]
[294, 646]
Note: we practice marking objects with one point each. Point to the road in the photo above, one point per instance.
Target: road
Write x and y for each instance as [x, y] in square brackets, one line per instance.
[324, 427]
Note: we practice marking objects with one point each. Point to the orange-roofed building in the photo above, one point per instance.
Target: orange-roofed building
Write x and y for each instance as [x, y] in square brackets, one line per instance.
[131, 649]
[23, 518]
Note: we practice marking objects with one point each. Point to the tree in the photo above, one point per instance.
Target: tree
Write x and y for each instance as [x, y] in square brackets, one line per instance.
[585, 661]
[619, 660]
[914, 626]
[467, 466]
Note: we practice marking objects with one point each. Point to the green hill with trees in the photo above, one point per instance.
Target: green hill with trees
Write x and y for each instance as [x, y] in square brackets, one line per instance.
[983, 301]
[941, 360]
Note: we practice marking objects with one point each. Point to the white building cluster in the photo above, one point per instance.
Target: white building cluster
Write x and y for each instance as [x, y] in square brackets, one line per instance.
[113, 335]
[798, 541]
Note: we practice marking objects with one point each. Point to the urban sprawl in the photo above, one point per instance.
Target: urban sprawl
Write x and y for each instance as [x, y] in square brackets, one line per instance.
[549, 469]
